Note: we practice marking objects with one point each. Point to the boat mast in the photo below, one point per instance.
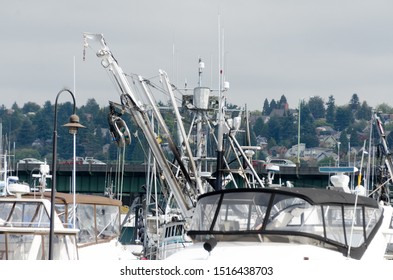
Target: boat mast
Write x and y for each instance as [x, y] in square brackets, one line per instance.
[133, 106]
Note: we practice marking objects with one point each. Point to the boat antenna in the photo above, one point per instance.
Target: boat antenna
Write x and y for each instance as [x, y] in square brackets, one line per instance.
[220, 136]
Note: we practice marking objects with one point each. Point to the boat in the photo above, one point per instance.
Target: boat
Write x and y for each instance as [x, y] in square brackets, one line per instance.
[231, 213]
[288, 224]
[180, 168]
[25, 227]
[86, 227]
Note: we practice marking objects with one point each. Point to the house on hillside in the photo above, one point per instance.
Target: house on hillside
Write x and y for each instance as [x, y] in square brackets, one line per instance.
[293, 151]
[278, 151]
[328, 142]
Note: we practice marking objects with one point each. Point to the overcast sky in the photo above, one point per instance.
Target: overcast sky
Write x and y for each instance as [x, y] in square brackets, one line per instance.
[299, 48]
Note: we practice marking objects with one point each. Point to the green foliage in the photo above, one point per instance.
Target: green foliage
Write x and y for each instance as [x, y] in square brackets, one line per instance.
[328, 161]
[384, 108]
[344, 118]
[364, 112]
[27, 153]
[317, 107]
[34, 124]
[331, 110]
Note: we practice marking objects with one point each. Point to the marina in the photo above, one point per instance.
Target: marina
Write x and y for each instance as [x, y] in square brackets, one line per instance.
[199, 195]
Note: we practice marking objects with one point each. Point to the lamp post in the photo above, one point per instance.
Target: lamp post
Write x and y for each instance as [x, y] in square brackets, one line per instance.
[349, 148]
[73, 127]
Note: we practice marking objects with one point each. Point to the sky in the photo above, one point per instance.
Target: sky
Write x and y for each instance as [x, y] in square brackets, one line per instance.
[270, 48]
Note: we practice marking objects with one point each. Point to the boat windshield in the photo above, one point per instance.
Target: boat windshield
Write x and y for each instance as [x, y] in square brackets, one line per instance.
[96, 222]
[241, 215]
[23, 214]
[24, 233]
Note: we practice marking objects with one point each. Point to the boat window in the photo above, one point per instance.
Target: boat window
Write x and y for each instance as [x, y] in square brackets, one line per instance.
[5, 210]
[371, 217]
[23, 214]
[333, 216]
[167, 232]
[204, 213]
[353, 220]
[23, 246]
[107, 221]
[295, 214]
[179, 230]
[238, 212]
[85, 223]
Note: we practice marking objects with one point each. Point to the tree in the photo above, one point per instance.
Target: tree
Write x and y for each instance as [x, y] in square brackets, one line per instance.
[266, 108]
[26, 134]
[307, 124]
[273, 105]
[258, 127]
[91, 106]
[317, 107]
[288, 130]
[44, 119]
[384, 108]
[354, 103]
[283, 104]
[343, 118]
[330, 110]
[30, 107]
[364, 112]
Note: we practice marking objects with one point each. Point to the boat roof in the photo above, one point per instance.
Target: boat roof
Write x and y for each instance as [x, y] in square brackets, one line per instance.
[68, 198]
[312, 195]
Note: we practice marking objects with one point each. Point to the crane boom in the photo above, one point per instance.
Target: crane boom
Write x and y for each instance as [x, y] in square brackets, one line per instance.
[131, 105]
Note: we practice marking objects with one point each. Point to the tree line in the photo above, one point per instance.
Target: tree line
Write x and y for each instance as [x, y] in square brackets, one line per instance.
[280, 125]
[28, 130]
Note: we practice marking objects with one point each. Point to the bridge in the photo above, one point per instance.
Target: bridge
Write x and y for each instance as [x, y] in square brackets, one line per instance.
[95, 179]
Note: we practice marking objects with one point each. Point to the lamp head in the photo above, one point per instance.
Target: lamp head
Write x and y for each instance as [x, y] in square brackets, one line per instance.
[74, 124]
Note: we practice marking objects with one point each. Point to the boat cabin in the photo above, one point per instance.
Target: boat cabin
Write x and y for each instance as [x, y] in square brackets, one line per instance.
[24, 232]
[25, 225]
[329, 219]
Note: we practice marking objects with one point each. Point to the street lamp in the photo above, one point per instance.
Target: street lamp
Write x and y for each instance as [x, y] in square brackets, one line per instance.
[73, 127]
[349, 148]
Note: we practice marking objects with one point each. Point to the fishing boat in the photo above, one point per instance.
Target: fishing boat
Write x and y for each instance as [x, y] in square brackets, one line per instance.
[180, 168]
[231, 213]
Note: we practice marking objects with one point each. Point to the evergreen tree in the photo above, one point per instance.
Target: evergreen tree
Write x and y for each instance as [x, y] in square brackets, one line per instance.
[43, 120]
[317, 107]
[258, 127]
[273, 105]
[30, 107]
[330, 110]
[364, 112]
[283, 102]
[266, 108]
[307, 124]
[344, 118]
[354, 103]
[288, 130]
[26, 134]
